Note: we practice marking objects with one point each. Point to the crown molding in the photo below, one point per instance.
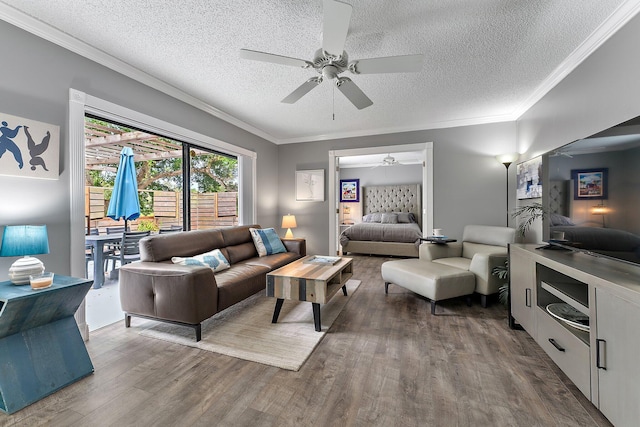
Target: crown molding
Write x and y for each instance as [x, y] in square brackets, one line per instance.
[53, 35]
[385, 131]
[617, 20]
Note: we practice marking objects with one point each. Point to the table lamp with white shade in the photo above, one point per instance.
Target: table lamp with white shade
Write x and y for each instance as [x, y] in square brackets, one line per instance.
[23, 241]
[289, 222]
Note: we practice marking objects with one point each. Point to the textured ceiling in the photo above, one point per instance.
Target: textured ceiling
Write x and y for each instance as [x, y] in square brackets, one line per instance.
[485, 60]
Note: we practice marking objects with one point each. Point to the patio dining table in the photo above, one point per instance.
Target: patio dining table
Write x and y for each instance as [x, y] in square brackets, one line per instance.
[97, 242]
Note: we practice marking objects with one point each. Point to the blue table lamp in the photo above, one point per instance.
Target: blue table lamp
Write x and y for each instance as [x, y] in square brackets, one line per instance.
[23, 241]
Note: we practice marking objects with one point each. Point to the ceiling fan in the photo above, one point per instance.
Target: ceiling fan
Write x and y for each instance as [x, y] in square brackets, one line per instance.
[558, 153]
[389, 160]
[331, 60]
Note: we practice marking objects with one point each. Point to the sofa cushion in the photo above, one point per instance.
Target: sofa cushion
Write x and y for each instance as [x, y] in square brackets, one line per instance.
[274, 261]
[240, 282]
[161, 247]
[267, 241]
[457, 262]
[240, 252]
[213, 259]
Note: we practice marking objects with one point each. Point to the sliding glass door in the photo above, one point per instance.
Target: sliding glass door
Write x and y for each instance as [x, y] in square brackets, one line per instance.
[173, 177]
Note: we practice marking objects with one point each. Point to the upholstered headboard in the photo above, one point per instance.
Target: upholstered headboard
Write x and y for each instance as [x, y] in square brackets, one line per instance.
[559, 197]
[393, 198]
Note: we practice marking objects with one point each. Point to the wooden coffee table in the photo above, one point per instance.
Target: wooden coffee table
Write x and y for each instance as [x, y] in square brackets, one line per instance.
[303, 280]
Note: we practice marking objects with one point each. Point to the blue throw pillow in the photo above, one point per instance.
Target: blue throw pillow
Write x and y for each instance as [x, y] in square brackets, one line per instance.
[267, 241]
[214, 260]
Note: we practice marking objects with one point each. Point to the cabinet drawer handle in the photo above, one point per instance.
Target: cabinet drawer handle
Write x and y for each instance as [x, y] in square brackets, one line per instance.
[527, 297]
[599, 358]
[556, 345]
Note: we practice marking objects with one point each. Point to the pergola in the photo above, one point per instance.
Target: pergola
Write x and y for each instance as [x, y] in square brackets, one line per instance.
[103, 145]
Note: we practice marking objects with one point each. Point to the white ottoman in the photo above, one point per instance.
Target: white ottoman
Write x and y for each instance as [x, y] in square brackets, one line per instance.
[429, 279]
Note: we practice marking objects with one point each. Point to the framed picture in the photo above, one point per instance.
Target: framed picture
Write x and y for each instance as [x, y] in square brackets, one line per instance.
[29, 148]
[529, 176]
[310, 185]
[349, 190]
[589, 183]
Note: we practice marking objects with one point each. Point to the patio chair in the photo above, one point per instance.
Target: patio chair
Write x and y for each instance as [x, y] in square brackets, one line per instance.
[129, 250]
[88, 251]
[112, 248]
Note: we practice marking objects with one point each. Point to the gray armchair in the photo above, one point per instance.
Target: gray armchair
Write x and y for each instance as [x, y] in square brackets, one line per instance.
[482, 248]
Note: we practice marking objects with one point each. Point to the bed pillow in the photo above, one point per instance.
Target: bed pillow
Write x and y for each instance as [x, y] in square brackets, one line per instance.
[267, 241]
[213, 259]
[406, 217]
[557, 219]
[372, 217]
[389, 218]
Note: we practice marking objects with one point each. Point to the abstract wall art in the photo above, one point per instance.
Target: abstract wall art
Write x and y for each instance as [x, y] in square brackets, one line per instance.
[29, 148]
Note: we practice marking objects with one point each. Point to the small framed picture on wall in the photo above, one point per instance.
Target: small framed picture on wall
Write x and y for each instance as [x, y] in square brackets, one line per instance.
[310, 185]
[349, 190]
[589, 183]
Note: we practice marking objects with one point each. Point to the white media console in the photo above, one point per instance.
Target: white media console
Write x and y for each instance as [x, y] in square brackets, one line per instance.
[602, 361]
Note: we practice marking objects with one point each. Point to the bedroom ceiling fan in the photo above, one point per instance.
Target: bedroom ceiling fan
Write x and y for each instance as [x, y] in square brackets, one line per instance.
[331, 60]
[389, 160]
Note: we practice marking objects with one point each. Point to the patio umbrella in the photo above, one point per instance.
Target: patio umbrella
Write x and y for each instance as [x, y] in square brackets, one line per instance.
[124, 199]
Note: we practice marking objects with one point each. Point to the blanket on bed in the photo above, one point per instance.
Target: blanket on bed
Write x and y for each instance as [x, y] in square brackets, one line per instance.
[377, 232]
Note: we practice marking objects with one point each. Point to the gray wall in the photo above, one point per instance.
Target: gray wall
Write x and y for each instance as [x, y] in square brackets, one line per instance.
[603, 91]
[469, 183]
[36, 77]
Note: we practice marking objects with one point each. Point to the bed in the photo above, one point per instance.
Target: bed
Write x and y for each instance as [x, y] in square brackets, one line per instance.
[391, 222]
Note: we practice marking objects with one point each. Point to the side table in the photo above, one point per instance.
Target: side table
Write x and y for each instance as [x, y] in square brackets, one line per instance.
[41, 349]
[438, 240]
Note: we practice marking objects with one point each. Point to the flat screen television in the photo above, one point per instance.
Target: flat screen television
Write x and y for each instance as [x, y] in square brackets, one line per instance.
[593, 194]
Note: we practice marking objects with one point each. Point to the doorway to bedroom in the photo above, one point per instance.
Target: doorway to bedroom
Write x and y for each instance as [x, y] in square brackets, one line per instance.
[377, 166]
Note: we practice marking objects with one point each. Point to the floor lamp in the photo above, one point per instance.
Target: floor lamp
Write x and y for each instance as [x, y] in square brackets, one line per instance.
[506, 160]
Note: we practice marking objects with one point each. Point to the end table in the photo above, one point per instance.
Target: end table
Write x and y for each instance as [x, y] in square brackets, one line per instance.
[41, 349]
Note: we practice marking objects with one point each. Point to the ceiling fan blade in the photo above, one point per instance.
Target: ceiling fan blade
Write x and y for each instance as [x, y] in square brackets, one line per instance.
[335, 26]
[388, 64]
[353, 93]
[270, 57]
[302, 90]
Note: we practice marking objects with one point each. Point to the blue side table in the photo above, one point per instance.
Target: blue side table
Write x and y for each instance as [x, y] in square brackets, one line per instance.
[41, 349]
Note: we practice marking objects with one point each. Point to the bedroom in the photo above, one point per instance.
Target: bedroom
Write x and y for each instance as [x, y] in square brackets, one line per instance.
[389, 182]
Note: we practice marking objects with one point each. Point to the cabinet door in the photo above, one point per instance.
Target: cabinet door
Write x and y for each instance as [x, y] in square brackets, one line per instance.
[522, 270]
[617, 354]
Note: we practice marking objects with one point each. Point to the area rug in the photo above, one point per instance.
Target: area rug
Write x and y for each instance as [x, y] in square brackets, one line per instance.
[245, 330]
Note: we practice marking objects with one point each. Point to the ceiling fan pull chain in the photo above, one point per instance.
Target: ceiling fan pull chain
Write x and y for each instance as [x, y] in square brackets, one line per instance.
[333, 104]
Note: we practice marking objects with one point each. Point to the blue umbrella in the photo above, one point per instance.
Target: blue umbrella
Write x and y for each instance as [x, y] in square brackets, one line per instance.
[124, 199]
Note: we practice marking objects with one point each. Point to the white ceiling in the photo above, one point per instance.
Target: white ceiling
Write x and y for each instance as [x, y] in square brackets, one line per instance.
[485, 61]
[376, 160]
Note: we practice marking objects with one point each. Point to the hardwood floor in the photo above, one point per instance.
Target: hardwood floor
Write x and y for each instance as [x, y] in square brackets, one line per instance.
[385, 362]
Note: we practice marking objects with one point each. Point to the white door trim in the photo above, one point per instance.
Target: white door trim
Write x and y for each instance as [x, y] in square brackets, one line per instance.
[427, 182]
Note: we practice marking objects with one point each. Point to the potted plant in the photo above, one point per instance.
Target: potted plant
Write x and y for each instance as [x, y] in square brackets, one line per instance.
[530, 214]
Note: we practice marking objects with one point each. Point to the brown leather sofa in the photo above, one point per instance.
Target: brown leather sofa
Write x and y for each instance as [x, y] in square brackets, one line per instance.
[155, 288]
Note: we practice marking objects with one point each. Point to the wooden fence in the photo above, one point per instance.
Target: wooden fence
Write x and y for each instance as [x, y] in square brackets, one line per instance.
[208, 210]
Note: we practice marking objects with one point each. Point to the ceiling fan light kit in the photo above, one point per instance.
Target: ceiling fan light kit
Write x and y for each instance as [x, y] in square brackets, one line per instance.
[331, 60]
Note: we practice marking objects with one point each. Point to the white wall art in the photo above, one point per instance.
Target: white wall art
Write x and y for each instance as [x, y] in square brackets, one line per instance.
[29, 148]
[310, 185]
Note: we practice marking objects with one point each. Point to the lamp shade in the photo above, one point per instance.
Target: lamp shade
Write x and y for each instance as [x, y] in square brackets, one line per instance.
[507, 158]
[21, 240]
[289, 221]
